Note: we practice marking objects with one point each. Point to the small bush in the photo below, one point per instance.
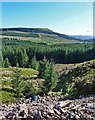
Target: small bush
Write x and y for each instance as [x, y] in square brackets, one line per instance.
[28, 89]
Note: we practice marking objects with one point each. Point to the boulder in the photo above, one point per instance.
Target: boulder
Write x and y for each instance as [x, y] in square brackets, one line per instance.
[64, 103]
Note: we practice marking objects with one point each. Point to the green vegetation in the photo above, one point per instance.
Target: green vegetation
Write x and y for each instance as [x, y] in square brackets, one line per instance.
[17, 83]
[8, 96]
[47, 72]
[20, 86]
[45, 64]
[76, 80]
[30, 72]
[20, 53]
[23, 31]
[28, 89]
[38, 35]
[6, 63]
[66, 79]
[32, 30]
[34, 64]
[13, 82]
[27, 82]
[19, 34]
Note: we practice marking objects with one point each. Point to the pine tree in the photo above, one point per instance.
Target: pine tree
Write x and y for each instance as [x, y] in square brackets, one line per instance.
[17, 65]
[17, 83]
[47, 78]
[6, 63]
[47, 72]
[50, 77]
[54, 79]
[41, 69]
[2, 62]
[28, 89]
[22, 58]
[34, 63]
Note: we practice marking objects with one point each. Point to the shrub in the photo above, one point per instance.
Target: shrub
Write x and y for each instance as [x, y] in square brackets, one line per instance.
[28, 89]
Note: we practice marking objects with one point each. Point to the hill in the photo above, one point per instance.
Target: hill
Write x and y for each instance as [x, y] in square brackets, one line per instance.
[44, 35]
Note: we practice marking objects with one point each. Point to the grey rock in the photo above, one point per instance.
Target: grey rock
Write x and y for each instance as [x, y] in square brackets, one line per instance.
[22, 113]
[57, 112]
[64, 103]
[51, 111]
[10, 115]
[50, 108]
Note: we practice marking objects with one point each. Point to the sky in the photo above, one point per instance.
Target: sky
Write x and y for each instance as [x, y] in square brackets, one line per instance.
[71, 18]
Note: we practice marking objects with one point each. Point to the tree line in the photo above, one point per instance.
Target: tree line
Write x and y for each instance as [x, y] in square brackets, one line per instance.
[20, 53]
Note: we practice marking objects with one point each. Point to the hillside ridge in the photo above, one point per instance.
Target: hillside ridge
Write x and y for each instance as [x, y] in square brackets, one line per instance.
[38, 30]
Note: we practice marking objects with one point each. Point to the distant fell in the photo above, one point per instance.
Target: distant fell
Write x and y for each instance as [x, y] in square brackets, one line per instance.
[33, 30]
[37, 30]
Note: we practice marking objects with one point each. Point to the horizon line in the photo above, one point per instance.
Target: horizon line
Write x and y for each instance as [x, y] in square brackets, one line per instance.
[44, 28]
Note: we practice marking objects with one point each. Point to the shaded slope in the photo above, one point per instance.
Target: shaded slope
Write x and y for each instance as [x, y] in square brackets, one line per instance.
[76, 79]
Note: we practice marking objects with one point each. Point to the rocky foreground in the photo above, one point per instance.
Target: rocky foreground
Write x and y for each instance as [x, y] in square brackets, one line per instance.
[52, 107]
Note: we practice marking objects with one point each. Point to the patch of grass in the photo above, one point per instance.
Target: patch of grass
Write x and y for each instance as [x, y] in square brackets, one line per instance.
[28, 71]
[8, 72]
